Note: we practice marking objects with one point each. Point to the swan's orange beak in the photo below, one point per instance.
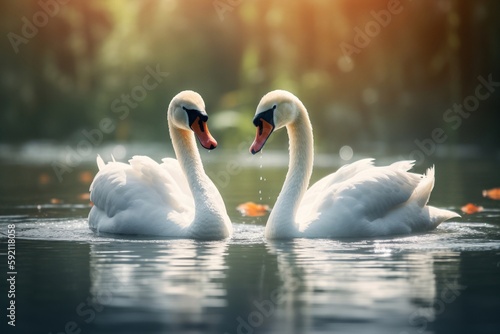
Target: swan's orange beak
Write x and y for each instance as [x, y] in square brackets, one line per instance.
[264, 130]
[200, 129]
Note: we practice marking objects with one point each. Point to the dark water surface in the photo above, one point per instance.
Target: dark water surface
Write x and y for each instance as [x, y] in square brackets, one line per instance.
[70, 280]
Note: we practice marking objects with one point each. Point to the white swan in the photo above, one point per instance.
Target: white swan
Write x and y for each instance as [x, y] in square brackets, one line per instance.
[172, 199]
[359, 200]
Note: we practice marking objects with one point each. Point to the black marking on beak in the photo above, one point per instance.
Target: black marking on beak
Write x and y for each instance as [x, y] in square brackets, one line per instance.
[195, 113]
[267, 115]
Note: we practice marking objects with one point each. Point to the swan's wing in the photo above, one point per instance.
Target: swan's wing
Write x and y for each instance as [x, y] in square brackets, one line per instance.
[174, 169]
[348, 207]
[142, 197]
[344, 173]
[167, 181]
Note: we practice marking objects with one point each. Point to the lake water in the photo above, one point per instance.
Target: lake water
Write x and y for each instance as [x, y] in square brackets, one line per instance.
[69, 280]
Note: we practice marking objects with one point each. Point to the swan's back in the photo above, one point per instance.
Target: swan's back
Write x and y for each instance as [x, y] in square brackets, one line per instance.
[361, 200]
[142, 197]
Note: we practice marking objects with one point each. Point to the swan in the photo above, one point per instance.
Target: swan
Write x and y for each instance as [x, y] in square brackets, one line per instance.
[172, 199]
[359, 200]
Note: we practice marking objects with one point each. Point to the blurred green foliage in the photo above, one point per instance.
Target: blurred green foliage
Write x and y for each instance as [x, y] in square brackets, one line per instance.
[63, 76]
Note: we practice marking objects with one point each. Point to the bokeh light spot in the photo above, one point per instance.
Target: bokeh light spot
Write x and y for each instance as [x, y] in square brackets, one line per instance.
[119, 152]
[345, 64]
[346, 153]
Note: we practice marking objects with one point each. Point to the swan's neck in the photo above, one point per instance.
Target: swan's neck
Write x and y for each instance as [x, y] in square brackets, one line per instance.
[189, 159]
[208, 216]
[281, 223]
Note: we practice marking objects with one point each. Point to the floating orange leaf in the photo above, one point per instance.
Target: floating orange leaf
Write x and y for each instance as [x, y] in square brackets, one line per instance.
[44, 178]
[252, 209]
[492, 193]
[84, 196]
[470, 208]
[85, 177]
[55, 201]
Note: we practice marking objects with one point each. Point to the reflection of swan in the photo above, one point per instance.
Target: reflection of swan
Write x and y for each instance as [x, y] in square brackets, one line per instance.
[175, 198]
[328, 284]
[165, 283]
[359, 200]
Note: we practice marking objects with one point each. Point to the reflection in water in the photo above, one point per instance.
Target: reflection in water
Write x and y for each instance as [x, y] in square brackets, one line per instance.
[333, 285]
[173, 284]
[446, 281]
[438, 282]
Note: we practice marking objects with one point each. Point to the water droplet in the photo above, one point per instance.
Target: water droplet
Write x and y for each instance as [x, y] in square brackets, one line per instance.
[260, 192]
[261, 178]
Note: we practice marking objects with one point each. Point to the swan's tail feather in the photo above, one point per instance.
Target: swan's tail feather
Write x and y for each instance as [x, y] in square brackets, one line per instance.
[421, 195]
[100, 162]
[437, 216]
[423, 191]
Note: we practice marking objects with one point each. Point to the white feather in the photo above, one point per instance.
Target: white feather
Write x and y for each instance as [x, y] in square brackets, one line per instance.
[147, 198]
[359, 200]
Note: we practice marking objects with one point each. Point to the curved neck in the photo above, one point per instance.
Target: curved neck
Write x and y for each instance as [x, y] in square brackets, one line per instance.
[281, 222]
[203, 190]
[189, 159]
